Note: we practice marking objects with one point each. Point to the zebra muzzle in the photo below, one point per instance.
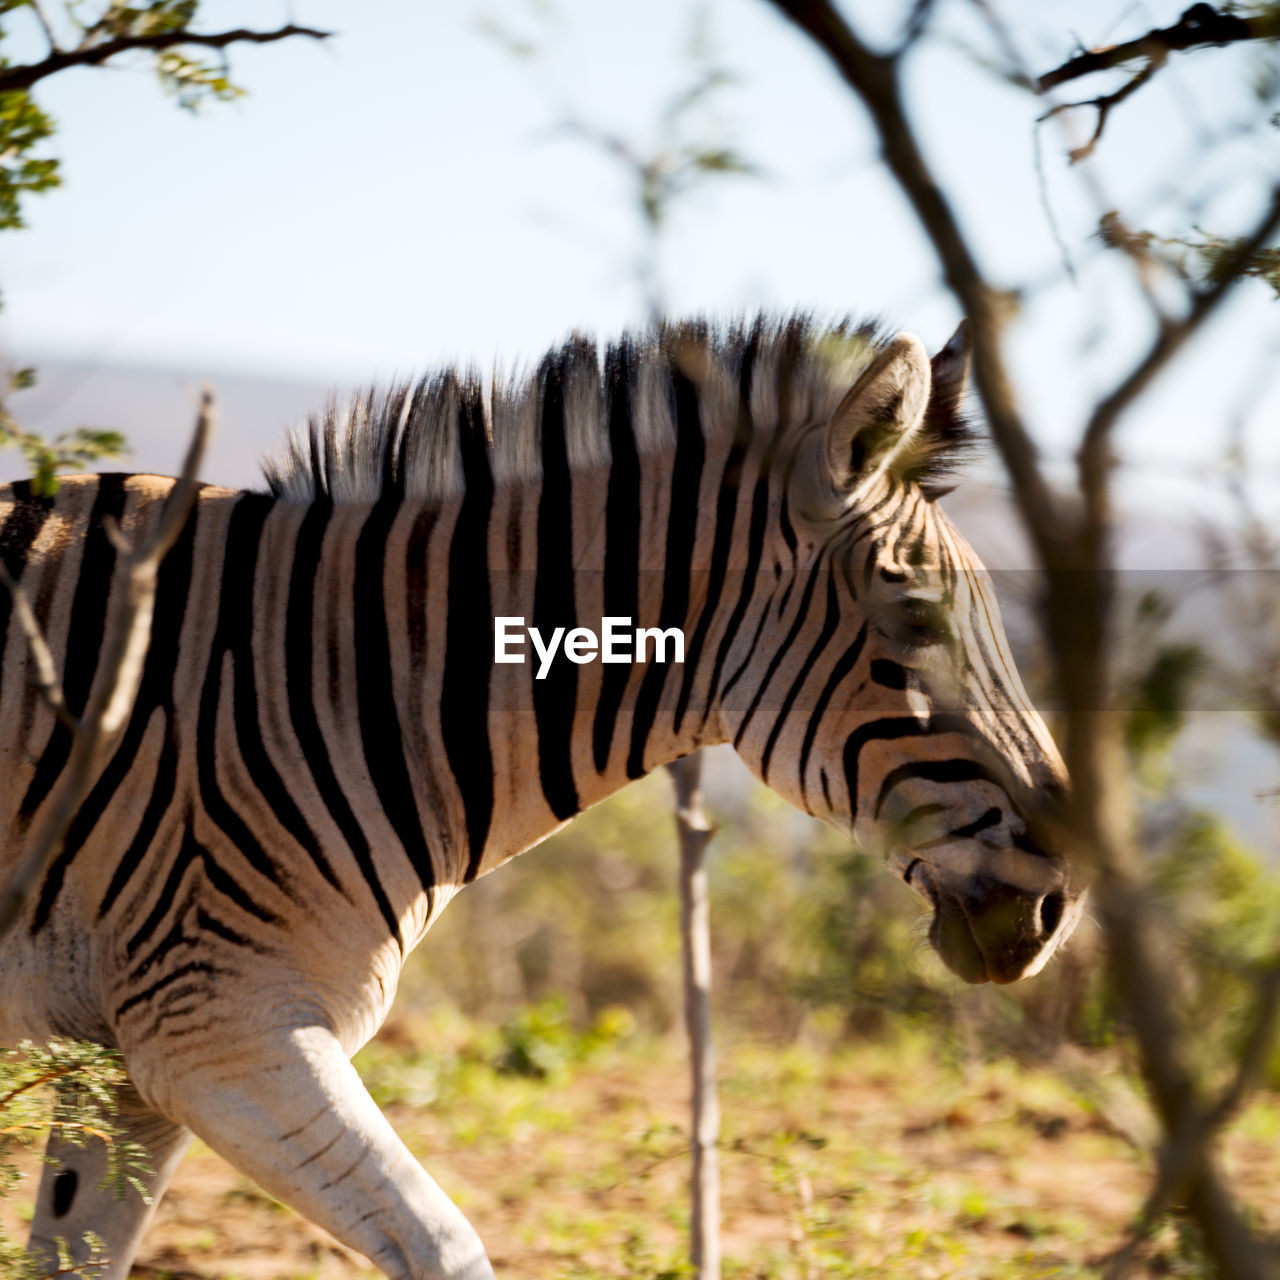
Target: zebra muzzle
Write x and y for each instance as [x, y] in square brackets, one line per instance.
[997, 932]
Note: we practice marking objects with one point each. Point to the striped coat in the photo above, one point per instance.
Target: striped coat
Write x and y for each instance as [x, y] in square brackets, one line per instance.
[325, 746]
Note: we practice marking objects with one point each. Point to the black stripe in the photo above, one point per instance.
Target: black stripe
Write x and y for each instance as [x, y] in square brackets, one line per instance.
[682, 528]
[848, 660]
[176, 937]
[219, 929]
[992, 818]
[17, 536]
[726, 518]
[892, 675]
[890, 729]
[189, 850]
[802, 616]
[464, 699]
[622, 544]
[230, 888]
[162, 793]
[193, 966]
[155, 693]
[235, 634]
[934, 771]
[85, 635]
[380, 732]
[755, 549]
[767, 607]
[726, 513]
[555, 698]
[299, 622]
[417, 581]
[784, 509]
[829, 625]
[759, 519]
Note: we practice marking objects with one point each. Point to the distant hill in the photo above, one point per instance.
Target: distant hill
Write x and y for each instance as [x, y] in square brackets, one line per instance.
[156, 409]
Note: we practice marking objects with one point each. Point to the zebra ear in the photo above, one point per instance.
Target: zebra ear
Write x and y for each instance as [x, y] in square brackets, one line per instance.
[880, 411]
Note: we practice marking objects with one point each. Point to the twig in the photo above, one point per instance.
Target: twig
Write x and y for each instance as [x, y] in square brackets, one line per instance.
[45, 25]
[918, 21]
[1184, 1152]
[92, 55]
[1199, 26]
[1104, 105]
[874, 78]
[56, 1074]
[46, 669]
[695, 832]
[1095, 457]
[115, 686]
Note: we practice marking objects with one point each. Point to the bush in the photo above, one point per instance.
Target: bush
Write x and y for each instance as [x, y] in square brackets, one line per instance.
[67, 1086]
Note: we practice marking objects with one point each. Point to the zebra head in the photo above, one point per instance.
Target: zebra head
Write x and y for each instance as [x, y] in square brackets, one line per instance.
[891, 706]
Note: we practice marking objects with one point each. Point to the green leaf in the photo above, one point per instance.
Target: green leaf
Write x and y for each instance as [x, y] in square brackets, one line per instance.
[23, 125]
[1161, 697]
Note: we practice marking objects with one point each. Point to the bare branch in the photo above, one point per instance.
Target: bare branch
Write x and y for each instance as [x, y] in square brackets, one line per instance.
[875, 80]
[45, 25]
[917, 22]
[1077, 621]
[1184, 1152]
[1200, 26]
[116, 683]
[695, 832]
[1104, 105]
[23, 77]
[46, 669]
[1095, 458]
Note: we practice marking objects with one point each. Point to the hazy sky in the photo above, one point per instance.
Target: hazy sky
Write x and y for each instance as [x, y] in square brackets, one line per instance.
[400, 197]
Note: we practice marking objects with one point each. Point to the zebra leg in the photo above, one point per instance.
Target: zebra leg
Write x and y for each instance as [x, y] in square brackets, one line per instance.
[70, 1201]
[293, 1115]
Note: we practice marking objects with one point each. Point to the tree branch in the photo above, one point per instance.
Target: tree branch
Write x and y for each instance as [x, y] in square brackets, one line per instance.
[875, 80]
[695, 832]
[1095, 457]
[46, 669]
[1104, 106]
[115, 687]
[14, 79]
[45, 25]
[1200, 26]
[1077, 621]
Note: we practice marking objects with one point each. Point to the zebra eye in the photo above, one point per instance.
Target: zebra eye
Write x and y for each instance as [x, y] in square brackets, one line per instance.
[925, 623]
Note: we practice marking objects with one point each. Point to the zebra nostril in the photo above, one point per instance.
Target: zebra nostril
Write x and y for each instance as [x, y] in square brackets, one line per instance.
[1051, 909]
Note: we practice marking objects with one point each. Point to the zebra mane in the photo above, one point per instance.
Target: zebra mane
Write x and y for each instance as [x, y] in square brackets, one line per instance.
[423, 440]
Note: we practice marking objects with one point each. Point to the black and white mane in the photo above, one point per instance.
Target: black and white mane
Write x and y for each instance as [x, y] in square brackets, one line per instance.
[411, 440]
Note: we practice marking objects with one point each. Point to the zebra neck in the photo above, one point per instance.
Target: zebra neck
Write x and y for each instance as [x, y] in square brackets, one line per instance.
[531, 741]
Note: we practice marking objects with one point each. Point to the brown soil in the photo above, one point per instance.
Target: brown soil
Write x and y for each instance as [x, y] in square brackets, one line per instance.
[934, 1177]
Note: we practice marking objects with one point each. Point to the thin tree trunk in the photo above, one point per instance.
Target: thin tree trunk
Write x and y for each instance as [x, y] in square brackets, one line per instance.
[695, 832]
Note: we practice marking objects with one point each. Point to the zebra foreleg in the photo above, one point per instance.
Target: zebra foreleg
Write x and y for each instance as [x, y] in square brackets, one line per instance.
[293, 1115]
[71, 1203]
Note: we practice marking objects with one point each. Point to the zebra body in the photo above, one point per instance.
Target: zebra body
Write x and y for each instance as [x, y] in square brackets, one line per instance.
[323, 749]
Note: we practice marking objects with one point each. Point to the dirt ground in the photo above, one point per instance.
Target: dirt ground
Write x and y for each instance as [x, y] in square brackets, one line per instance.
[868, 1164]
[863, 1164]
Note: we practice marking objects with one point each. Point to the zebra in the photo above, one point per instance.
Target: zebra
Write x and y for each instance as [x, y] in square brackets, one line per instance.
[323, 749]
